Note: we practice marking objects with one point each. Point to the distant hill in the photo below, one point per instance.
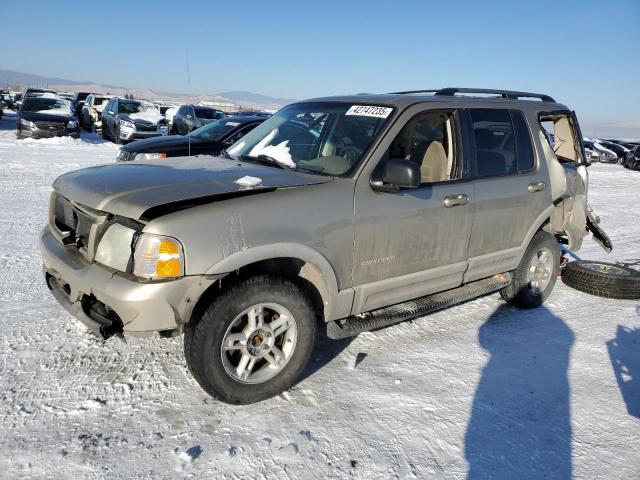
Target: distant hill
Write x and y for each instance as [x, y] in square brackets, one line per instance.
[240, 99]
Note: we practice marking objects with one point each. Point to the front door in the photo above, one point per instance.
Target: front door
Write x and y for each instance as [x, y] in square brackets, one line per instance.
[413, 242]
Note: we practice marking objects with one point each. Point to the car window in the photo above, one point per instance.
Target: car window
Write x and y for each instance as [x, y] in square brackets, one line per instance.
[207, 113]
[428, 139]
[524, 148]
[495, 142]
[325, 137]
[182, 110]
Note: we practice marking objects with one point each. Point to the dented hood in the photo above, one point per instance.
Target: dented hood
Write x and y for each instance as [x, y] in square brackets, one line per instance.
[131, 189]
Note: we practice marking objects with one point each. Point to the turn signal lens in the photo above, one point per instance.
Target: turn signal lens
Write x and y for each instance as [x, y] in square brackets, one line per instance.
[156, 256]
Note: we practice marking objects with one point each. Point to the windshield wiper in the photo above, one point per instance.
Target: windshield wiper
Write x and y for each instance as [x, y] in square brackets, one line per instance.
[266, 160]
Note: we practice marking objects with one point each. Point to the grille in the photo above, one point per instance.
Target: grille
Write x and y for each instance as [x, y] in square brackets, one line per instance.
[146, 127]
[52, 126]
[76, 225]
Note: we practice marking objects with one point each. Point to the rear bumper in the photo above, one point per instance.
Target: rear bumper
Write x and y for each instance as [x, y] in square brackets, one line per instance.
[132, 306]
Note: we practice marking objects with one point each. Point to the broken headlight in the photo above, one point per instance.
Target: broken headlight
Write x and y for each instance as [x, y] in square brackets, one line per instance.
[114, 249]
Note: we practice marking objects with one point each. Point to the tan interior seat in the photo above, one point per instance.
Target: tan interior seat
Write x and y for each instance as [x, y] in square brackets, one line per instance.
[435, 164]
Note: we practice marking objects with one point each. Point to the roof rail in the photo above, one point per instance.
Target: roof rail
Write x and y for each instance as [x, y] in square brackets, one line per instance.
[510, 94]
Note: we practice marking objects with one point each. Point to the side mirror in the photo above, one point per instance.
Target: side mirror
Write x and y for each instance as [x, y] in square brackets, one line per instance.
[395, 174]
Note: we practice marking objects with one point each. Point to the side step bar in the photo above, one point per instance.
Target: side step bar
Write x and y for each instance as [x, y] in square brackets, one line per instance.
[386, 316]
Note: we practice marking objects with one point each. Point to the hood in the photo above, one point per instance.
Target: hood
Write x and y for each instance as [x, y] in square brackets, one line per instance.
[131, 189]
[46, 117]
[162, 144]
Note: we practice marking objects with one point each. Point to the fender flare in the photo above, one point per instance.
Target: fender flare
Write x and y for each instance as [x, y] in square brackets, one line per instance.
[329, 287]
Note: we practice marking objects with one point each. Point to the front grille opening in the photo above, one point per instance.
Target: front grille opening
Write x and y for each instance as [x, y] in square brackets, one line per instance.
[110, 322]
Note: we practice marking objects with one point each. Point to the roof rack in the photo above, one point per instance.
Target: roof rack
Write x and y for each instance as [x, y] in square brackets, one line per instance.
[510, 94]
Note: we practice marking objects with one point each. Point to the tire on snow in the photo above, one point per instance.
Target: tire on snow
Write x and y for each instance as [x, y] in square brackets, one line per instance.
[602, 279]
[520, 291]
[204, 337]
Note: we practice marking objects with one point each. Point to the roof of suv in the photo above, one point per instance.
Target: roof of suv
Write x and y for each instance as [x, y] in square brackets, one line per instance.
[448, 96]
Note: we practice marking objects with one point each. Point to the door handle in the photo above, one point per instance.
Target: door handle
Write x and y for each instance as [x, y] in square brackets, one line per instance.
[537, 187]
[455, 200]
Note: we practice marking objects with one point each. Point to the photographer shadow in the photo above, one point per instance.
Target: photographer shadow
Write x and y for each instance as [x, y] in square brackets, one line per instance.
[520, 422]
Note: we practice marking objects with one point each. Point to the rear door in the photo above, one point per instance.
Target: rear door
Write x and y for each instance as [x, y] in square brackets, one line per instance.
[512, 195]
[413, 242]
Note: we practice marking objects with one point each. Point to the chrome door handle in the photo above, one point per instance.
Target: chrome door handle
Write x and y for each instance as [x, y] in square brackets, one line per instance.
[455, 200]
[537, 187]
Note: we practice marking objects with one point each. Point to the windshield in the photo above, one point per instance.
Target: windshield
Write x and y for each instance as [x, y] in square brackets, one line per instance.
[135, 107]
[324, 137]
[99, 100]
[214, 131]
[208, 113]
[47, 105]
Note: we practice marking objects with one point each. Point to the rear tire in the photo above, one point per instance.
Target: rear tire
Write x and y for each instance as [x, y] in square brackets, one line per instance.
[535, 277]
[216, 343]
[602, 279]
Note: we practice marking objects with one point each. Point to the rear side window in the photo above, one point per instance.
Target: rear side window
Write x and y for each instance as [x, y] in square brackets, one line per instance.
[495, 142]
[524, 149]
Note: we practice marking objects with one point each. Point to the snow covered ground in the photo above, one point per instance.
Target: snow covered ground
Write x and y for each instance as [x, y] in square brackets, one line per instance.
[481, 389]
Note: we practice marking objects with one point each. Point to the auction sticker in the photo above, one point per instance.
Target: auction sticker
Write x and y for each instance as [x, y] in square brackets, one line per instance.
[369, 111]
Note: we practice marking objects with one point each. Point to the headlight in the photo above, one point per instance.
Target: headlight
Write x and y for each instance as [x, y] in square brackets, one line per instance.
[114, 249]
[150, 156]
[124, 156]
[27, 123]
[126, 124]
[72, 124]
[156, 256]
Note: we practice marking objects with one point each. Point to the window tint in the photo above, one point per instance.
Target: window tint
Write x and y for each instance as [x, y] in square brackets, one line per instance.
[428, 139]
[524, 148]
[495, 142]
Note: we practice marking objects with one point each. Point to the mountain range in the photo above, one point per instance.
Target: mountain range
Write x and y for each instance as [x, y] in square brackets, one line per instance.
[240, 99]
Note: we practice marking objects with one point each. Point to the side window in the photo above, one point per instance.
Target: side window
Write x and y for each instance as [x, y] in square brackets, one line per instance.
[561, 132]
[524, 149]
[495, 142]
[241, 133]
[429, 139]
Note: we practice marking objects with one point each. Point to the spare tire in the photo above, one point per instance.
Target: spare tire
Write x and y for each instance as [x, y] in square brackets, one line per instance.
[603, 279]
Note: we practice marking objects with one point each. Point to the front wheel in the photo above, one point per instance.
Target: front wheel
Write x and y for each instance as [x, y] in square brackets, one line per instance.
[252, 342]
[535, 277]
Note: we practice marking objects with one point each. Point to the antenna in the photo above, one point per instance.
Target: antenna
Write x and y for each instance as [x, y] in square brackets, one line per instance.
[188, 99]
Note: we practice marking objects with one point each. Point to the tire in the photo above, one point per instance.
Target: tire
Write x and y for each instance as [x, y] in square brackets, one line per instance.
[215, 369]
[602, 279]
[538, 268]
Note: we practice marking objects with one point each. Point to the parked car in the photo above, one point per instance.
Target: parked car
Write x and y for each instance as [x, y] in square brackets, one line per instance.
[65, 95]
[604, 155]
[17, 101]
[46, 116]
[78, 102]
[5, 99]
[347, 213]
[37, 92]
[209, 139]
[632, 159]
[619, 150]
[91, 114]
[126, 120]
[169, 114]
[190, 117]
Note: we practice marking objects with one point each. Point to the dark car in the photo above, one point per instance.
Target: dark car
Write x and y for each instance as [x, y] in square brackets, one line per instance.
[46, 116]
[210, 139]
[78, 102]
[126, 120]
[5, 99]
[190, 117]
[619, 150]
[632, 160]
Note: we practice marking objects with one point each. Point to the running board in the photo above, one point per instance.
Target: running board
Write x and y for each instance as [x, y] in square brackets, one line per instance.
[386, 316]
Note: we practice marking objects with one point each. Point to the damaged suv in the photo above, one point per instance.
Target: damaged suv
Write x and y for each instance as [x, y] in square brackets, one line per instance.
[347, 213]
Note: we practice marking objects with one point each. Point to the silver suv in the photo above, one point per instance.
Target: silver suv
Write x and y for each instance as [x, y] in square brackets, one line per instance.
[350, 213]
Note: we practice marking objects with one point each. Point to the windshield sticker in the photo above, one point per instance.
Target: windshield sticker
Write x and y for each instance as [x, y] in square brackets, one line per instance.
[232, 124]
[369, 111]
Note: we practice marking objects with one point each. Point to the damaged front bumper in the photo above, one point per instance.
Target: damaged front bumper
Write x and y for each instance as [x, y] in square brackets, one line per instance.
[108, 302]
[599, 236]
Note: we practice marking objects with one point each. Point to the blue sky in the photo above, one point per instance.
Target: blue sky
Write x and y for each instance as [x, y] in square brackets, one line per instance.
[586, 54]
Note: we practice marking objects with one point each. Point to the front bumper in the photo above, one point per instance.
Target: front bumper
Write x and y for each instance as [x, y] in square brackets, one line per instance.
[134, 307]
[40, 133]
[135, 134]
